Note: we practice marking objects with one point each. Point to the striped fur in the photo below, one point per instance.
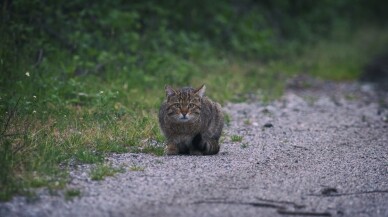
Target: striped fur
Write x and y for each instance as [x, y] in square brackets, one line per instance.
[191, 122]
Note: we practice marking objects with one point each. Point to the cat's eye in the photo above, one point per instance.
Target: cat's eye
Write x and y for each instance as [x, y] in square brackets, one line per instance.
[177, 105]
[191, 105]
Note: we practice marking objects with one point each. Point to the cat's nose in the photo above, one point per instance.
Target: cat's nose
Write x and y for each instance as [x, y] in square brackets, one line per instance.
[184, 112]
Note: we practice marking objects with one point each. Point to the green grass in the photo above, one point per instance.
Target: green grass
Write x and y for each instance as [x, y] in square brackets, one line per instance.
[343, 56]
[236, 138]
[136, 168]
[244, 145]
[149, 147]
[55, 117]
[157, 151]
[103, 170]
[72, 193]
[227, 119]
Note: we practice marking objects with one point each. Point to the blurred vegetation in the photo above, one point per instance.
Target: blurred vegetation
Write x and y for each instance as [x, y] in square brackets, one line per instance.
[80, 79]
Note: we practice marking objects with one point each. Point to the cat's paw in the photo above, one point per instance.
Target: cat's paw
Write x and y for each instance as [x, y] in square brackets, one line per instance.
[195, 152]
[171, 149]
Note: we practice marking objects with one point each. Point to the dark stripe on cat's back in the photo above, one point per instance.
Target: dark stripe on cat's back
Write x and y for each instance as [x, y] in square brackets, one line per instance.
[215, 137]
[217, 115]
[211, 109]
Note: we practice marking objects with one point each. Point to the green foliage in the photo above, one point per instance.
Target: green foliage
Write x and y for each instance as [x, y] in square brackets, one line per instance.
[136, 168]
[236, 138]
[345, 56]
[72, 193]
[244, 145]
[103, 170]
[6, 173]
[227, 119]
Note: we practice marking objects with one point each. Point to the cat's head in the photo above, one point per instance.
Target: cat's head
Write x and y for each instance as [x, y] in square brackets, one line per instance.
[184, 105]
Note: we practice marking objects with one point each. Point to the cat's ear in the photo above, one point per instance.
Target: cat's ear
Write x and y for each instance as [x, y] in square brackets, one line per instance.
[201, 91]
[169, 91]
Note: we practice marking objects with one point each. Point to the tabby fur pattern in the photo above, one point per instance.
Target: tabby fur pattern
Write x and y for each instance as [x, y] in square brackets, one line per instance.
[191, 122]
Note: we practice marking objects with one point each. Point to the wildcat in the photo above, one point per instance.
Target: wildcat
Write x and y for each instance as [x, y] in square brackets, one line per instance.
[191, 122]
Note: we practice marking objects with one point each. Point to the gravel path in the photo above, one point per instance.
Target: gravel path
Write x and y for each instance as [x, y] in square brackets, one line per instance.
[316, 152]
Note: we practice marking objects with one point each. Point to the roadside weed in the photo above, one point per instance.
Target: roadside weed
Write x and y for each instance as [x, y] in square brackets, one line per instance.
[100, 171]
[72, 193]
[136, 168]
[244, 145]
[227, 119]
[236, 138]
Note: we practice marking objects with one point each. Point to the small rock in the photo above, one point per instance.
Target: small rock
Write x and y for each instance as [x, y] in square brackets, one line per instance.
[367, 88]
[265, 111]
[329, 191]
[268, 125]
